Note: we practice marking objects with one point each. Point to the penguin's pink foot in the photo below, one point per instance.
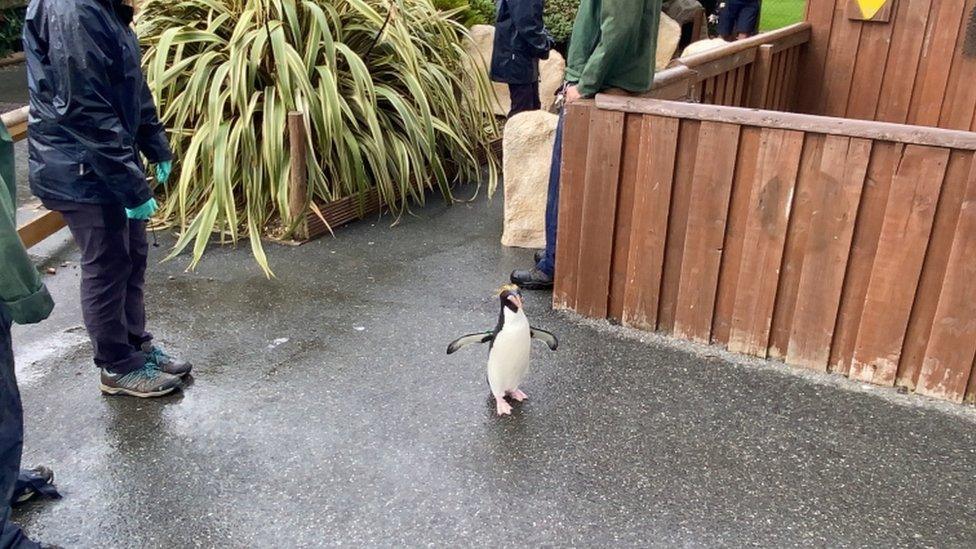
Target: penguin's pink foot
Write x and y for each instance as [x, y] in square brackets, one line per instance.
[518, 395]
[503, 408]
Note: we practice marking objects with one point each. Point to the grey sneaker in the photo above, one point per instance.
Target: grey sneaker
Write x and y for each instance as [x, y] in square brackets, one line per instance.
[164, 362]
[146, 382]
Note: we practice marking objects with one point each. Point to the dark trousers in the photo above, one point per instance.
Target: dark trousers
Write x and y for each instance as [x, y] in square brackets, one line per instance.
[548, 263]
[525, 97]
[11, 440]
[114, 252]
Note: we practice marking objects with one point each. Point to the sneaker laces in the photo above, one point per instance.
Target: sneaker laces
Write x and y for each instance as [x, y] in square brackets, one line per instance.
[157, 356]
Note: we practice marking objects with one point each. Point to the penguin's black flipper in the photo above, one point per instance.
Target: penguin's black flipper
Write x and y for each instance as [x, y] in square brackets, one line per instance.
[547, 337]
[482, 337]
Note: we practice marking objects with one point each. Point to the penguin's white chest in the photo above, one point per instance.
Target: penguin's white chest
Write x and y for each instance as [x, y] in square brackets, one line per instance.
[508, 361]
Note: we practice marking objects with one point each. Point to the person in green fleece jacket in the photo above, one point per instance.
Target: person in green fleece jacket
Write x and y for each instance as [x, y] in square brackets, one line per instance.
[613, 45]
[25, 300]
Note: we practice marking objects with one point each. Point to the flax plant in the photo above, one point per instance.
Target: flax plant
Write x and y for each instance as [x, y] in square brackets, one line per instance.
[382, 83]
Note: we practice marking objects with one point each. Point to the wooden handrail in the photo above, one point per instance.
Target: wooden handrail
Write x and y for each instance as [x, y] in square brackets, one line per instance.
[797, 33]
[867, 129]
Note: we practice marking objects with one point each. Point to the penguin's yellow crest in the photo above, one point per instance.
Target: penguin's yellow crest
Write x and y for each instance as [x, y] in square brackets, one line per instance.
[508, 288]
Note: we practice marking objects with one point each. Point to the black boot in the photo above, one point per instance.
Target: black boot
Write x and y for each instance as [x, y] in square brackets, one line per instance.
[533, 279]
[539, 256]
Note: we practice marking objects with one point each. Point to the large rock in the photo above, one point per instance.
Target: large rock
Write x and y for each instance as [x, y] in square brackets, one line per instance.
[668, 37]
[552, 71]
[702, 46]
[528, 141]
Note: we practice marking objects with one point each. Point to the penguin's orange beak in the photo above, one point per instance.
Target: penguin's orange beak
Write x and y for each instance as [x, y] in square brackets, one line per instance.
[514, 298]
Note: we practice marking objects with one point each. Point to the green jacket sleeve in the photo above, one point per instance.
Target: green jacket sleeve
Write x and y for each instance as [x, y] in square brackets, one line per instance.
[22, 293]
[618, 29]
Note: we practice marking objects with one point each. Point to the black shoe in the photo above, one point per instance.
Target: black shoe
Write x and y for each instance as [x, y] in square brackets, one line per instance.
[146, 382]
[170, 365]
[539, 256]
[533, 279]
[34, 482]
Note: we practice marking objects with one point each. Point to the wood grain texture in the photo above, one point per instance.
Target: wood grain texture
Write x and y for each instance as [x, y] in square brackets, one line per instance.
[934, 269]
[710, 193]
[652, 201]
[905, 234]
[932, 78]
[687, 155]
[870, 218]
[905, 52]
[948, 362]
[572, 181]
[770, 205]
[623, 228]
[735, 229]
[959, 101]
[843, 168]
[841, 54]
[598, 213]
[808, 186]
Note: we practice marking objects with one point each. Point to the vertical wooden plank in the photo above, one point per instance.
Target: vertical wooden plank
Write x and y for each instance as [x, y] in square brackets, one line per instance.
[738, 99]
[959, 102]
[599, 212]
[623, 229]
[732, 250]
[870, 218]
[808, 185]
[576, 129]
[720, 85]
[948, 363]
[652, 201]
[934, 268]
[869, 69]
[708, 91]
[933, 72]
[761, 77]
[904, 239]
[711, 190]
[820, 15]
[906, 50]
[687, 155]
[777, 94]
[842, 172]
[789, 101]
[841, 55]
[769, 212]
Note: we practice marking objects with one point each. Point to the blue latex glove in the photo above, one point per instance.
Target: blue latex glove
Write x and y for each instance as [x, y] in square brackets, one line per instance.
[163, 170]
[143, 212]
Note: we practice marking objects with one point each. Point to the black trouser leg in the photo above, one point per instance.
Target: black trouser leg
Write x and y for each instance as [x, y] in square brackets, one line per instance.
[102, 232]
[11, 440]
[135, 298]
[525, 97]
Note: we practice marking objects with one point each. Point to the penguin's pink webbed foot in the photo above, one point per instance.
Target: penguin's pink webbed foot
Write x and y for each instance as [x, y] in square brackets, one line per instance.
[503, 408]
[518, 395]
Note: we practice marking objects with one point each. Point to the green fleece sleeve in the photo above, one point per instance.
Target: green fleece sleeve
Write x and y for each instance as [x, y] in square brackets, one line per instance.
[22, 293]
[618, 29]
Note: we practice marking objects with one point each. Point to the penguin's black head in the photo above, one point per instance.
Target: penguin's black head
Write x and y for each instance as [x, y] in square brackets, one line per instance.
[510, 297]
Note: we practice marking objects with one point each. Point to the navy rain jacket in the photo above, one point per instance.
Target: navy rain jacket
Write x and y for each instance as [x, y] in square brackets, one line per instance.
[91, 112]
[521, 41]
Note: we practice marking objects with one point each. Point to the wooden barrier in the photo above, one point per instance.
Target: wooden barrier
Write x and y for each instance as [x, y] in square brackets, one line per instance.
[757, 72]
[839, 246]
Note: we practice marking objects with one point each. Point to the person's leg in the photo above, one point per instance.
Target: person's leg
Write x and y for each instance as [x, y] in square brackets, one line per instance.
[548, 263]
[525, 97]
[747, 20]
[135, 297]
[11, 440]
[102, 234]
[726, 21]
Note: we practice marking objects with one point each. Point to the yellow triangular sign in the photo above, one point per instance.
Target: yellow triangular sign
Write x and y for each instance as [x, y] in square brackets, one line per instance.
[870, 8]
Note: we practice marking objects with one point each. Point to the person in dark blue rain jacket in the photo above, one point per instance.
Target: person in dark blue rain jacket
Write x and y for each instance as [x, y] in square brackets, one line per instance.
[92, 117]
[521, 41]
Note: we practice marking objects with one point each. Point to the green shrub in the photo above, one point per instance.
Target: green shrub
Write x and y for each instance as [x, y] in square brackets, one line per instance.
[468, 13]
[559, 18]
[11, 29]
[387, 109]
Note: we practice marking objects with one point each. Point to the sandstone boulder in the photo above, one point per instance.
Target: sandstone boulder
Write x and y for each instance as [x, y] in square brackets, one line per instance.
[668, 37]
[702, 46]
[528, 142]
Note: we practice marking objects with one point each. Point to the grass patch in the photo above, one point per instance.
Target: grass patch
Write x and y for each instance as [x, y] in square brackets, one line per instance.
[780, 13]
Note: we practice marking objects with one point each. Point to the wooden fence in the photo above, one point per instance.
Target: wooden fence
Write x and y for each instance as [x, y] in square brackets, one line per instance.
[839, 245]
[758, 72]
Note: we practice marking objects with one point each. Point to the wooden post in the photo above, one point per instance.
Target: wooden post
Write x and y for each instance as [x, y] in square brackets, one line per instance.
[761, 77]
[298, 183]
